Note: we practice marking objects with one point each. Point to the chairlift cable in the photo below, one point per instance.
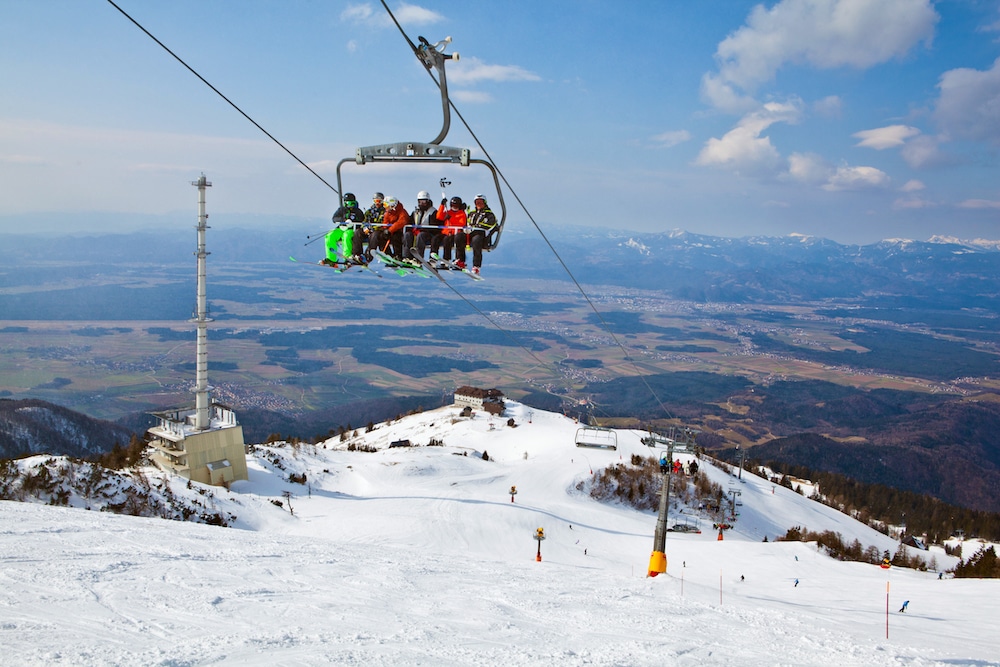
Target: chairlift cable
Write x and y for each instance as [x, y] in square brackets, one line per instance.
[491, 321]
[219, 93]
[565, 267]
[275, 140]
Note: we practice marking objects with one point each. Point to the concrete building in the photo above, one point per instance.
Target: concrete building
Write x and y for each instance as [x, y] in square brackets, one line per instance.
[215, 455]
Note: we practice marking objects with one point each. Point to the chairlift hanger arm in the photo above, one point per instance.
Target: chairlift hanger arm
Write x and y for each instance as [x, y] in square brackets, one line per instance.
[431, 55]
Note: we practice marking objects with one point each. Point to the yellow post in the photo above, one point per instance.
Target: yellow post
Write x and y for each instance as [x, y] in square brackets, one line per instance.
[657, 563]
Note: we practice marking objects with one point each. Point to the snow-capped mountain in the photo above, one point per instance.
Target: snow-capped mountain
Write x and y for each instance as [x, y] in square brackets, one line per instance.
[382, 555]
[788, 269]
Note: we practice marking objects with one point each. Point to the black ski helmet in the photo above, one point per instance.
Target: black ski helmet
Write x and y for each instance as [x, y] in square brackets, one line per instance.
[379, 196]
[349, 196]
[456, 201]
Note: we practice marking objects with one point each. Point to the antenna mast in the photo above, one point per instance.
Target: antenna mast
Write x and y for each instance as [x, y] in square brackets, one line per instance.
[201, 389]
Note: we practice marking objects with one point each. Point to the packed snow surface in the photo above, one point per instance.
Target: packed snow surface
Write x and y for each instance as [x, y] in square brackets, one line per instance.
[418, 556]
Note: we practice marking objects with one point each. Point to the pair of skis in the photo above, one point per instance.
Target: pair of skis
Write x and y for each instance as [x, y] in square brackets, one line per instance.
[453, 266]
[339, 267]
[419, 266]
[425, 268]
[403, 268]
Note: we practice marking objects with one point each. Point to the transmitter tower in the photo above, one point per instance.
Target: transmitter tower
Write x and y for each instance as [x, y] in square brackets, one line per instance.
[204, 443]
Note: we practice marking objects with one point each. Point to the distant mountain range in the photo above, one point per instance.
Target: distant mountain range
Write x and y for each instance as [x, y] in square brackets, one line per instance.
[942, 273]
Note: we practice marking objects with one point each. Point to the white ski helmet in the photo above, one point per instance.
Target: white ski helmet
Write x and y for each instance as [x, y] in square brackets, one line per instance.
[390, 202]
[423, 194]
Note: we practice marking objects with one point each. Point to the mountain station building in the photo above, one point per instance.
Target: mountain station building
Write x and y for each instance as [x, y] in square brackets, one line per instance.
[490, 400]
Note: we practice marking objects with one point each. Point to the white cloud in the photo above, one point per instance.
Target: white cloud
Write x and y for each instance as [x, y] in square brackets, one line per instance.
[808, 168]
[742, 149]
[324, 166]
[890, 136]
[979, 203]
[357, 14]
[669, 139]
[470, 96]
[921, 151]
[722, 96]
[969, 104]
[821, 33]
[406, 14]
[992, 27]
[473, 70]
[857, 178]
[912, 186]
[829, 107]
[910, 203]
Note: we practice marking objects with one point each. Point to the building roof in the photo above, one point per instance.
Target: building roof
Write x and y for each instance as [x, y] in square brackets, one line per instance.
[475, 392]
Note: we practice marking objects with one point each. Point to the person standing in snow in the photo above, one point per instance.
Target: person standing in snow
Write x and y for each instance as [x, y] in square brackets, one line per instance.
[902, 609]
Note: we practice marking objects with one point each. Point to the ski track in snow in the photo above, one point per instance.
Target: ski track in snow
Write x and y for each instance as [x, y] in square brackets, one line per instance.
[418, 557]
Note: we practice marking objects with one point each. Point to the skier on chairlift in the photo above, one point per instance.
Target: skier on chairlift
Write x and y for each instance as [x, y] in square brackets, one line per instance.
[373, 220]
[454, 220]
[482, 221]
[389, 238]
[347, 219]
[425, 227]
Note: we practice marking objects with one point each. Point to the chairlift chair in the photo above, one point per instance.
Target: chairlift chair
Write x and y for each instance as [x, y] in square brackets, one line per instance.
[596, 436]
[432, 55]
[676, 441]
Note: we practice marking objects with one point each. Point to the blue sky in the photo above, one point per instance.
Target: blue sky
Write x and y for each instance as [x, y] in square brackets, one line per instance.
[854, 120]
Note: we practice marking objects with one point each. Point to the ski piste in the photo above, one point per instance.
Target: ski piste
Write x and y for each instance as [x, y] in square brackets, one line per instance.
[455, 267]
[399, 267]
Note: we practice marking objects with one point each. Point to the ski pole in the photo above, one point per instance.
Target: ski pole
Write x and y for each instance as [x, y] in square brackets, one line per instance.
[314, 237]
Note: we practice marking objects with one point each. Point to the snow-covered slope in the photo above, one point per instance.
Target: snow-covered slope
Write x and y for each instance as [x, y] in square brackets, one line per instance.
[418, 556]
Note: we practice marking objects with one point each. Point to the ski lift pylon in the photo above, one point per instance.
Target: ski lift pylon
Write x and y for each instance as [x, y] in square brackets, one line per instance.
[432, 55]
